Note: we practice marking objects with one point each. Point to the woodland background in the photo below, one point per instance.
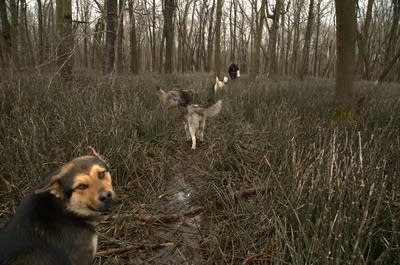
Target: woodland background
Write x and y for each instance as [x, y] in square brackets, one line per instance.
[301, 166]
[294, 38]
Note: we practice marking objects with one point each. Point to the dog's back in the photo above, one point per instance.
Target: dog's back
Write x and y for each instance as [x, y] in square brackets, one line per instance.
[22, 240]
[40, 231]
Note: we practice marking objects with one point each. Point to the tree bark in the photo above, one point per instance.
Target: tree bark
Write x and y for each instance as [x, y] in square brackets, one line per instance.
[120, 36]
[40, 32]
[255, 58]
[111, 33]
[217, 43]
[307, 41]
[97, 56]
[132, 39]
[316, 45]
[345, 65]
[169, 34]
[210, 39]
[65, 37]
[271, 66]
[298, 5]
[6, 31]
[362, 41]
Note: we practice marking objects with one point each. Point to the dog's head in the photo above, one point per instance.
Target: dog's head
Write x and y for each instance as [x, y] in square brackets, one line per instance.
[83, 185]
[175, 97]
[225, 79]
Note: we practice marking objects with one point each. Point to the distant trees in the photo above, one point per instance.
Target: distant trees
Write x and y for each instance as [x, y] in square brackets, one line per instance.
[276, 37]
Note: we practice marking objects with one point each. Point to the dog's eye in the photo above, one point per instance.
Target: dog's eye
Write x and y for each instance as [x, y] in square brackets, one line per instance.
[101, 175]
[82, 187]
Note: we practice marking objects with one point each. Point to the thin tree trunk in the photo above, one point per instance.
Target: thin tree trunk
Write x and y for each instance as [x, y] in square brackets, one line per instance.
[153, 43]
[97, 57]
[393, 35]
[14, 33]
[389, 66]
[217, 43]
[133, 41]
[169, 34]
[255, 58]
[6, 31]
[111, 32]
[316, 45]
[362, 41]
[307, 41]
[65, 37]
[40, 31]
[271, 53]
[210, 39]
[120, 35]
[298, 5]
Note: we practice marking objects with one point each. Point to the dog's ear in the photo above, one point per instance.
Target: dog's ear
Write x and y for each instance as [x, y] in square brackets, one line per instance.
[53, 186]
[92, 152]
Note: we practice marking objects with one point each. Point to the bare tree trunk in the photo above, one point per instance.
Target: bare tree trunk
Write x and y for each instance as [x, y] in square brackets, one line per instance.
[298, 5]
[346, 22]
[65, 37]
[255, 58]
[153, 43]
[217, 43]
[169, 10]
[133, 41]
[316, 46]
[388, 67]
[307, 41]
[25, 34]
[97, 57]
[393, 35]
[363, 39]
[120, 36]
[271, 53]
[6, 31]
[14, 33]
[111, 32]
[210, 39]
[40, 31]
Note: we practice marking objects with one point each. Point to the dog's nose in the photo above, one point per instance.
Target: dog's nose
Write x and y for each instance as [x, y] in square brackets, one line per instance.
[106, 196]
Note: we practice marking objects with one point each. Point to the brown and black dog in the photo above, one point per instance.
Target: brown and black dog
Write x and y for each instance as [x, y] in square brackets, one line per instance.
[55, 224]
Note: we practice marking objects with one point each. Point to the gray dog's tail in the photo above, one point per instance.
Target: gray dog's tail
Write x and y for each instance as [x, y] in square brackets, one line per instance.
[214, 109]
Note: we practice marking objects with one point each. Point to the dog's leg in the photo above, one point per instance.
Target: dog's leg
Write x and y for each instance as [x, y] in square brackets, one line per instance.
[201, 129]
[192, 131]
[187, 131]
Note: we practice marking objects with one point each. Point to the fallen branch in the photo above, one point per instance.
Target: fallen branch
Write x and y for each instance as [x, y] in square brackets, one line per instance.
[248, 192]
[113, 251]
[169, 218]
[251, 258]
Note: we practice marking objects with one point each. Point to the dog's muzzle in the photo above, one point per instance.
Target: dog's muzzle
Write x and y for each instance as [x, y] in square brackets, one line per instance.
[107, 200]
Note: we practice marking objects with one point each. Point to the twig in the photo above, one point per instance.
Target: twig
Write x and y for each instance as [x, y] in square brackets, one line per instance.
[169, 218]
[111, 251]
[251, 258]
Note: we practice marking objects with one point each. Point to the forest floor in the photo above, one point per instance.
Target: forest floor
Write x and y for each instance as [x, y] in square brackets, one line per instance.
[177, 233]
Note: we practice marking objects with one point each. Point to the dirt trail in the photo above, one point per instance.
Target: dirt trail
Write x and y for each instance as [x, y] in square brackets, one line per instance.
[187, 233]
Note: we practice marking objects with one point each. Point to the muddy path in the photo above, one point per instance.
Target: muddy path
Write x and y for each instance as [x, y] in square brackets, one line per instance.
[187, 234]
[169, 230]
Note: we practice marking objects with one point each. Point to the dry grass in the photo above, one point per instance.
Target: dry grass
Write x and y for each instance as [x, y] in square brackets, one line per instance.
[320, 193]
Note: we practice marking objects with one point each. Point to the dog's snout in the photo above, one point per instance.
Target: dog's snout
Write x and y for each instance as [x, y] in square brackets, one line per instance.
[106, 196]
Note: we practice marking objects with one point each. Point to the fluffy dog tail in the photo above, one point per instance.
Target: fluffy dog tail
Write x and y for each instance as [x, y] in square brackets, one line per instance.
[214, 109]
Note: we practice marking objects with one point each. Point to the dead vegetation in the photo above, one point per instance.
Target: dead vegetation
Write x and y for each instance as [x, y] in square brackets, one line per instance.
[275, 181]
